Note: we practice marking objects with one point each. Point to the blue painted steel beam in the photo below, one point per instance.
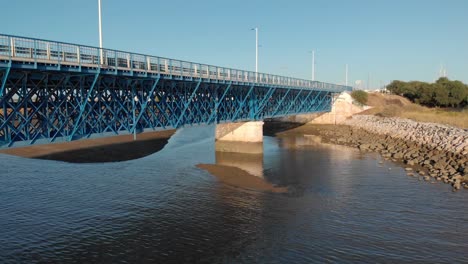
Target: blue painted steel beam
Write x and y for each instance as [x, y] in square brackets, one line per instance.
[4, 80]
[187, 103]
[243, 102]
[83, 106]
[46, 106]
[145, 104]
[218, 102]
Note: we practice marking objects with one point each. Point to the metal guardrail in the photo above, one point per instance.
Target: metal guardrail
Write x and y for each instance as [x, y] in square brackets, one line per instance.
[13, 48]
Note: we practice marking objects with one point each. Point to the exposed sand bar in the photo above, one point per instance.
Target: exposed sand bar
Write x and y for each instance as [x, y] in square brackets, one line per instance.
[107, 149]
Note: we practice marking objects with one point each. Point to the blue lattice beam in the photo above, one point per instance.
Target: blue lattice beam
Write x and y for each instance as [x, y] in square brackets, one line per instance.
[48, 94]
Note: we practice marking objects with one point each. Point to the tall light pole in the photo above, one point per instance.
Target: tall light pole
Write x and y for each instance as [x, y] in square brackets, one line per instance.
[100, 30]
[256, 52]
[313, 64]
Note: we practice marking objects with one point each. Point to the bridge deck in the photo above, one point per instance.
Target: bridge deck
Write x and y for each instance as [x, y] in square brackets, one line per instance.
[52, 91]
[28, 52]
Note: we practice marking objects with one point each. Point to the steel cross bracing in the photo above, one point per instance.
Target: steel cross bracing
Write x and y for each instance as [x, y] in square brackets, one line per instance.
[56, 102]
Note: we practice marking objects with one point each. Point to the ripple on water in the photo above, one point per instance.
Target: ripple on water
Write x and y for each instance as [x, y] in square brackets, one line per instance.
[161, 208]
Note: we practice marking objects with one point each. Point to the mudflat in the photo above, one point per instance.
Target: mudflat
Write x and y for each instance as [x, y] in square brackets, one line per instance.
[108, 149]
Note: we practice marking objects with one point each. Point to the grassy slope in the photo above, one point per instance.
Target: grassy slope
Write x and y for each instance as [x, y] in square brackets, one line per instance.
[397, 106]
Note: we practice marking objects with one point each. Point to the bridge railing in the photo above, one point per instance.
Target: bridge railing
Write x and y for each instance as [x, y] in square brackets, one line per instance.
[13, 48]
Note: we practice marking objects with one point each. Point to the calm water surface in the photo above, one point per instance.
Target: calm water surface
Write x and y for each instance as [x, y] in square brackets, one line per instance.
[343, 207]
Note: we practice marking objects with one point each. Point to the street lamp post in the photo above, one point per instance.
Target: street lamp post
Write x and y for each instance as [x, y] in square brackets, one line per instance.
[313, 64]
[100, 32]
[256, 52]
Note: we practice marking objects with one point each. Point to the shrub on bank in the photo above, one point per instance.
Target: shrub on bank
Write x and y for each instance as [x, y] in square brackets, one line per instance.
[360, 96]
[442, 93]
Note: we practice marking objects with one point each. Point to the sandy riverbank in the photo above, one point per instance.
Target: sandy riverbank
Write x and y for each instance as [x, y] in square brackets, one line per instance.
[108, 149]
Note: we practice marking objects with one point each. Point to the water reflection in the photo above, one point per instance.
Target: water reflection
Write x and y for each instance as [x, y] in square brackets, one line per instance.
[251, 163]
[163, 209]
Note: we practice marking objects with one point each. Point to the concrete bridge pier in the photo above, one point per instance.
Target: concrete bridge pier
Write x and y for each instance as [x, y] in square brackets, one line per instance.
[240, 137]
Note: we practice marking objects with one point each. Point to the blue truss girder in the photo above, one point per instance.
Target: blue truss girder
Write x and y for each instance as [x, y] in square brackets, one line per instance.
[48, 106]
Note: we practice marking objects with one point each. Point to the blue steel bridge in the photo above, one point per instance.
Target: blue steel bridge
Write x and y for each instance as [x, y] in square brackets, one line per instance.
[53, 91]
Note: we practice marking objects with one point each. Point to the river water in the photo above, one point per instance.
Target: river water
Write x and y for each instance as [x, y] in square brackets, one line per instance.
[342, 206]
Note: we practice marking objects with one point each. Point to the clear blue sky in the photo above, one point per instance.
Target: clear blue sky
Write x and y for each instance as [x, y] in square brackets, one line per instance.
[392, 39]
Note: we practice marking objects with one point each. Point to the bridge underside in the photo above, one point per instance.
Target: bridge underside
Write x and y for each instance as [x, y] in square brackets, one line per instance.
[47, 106]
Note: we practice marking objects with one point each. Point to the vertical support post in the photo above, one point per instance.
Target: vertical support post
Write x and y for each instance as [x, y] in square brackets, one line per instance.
[58, 55]
[34, 53]
[181, 70]
[171, 67]
[78, 55]
[12, 44]
[158, 68]
[48, 51]
[128, 60]
[4, 80]
[116, 62]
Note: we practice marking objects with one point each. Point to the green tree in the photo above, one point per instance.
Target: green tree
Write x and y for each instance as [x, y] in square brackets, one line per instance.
[426, 94]
[441, 94]
[457, 93]
[396, 87]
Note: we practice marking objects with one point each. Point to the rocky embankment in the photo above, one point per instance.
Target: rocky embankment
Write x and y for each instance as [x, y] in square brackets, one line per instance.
[432, 151]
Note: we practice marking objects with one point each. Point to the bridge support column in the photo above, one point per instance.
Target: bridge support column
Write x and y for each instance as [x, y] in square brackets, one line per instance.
[241, 137]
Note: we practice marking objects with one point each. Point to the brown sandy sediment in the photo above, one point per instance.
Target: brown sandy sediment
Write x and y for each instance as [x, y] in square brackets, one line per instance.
[239, 178]
[417, 152]
[107, 149]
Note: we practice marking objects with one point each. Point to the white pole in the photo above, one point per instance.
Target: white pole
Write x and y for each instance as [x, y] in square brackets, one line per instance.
[256, 54]
[100, 30]
[346, 74]
[313, 65]
[256, 49]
